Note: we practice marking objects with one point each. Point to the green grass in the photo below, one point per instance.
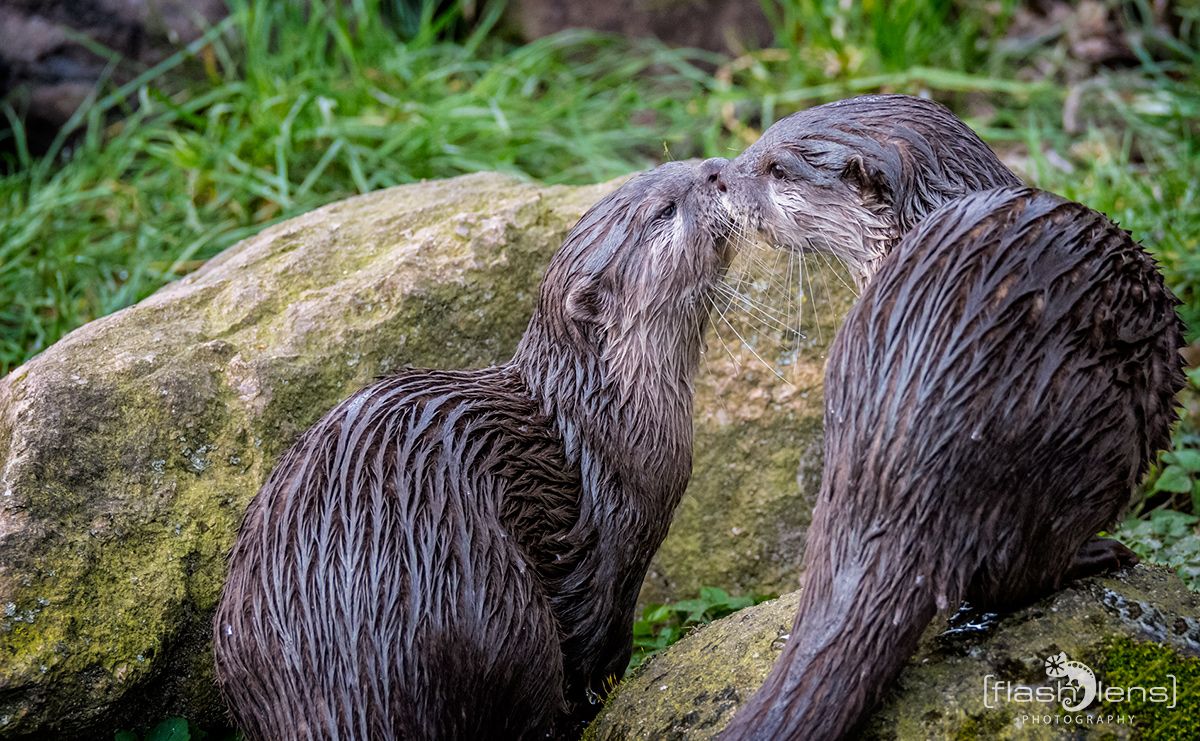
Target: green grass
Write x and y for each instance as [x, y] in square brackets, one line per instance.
[286, 110]
[281, 110]
[662, 625]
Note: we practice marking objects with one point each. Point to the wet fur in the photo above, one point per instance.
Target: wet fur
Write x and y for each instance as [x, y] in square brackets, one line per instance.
[991, 401]
[851, 177]
[456, 554]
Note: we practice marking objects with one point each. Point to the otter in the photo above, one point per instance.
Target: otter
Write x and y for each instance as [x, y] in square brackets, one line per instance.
[991, 402]
[457, 553]
[850, 178]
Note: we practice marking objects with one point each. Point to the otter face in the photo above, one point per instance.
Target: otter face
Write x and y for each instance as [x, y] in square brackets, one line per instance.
[812, 195]
[634, 278]
[850, 178]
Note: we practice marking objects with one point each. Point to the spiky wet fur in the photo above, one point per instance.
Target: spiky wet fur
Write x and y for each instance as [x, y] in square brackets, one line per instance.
[456, 554]
[991, 401]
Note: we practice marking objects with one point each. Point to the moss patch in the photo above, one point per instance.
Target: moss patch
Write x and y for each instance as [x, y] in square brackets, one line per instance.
[1124, 662]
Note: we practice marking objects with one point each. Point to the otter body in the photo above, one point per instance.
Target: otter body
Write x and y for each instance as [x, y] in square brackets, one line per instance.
[850, 178]
[991, 401]
[457, 554]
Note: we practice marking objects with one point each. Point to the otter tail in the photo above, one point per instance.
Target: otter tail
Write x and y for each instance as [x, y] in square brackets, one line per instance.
[861, 616]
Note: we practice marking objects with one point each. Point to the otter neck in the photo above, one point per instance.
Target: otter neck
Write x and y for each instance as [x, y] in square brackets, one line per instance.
[627, 426]
[879, 232]
[630, 409]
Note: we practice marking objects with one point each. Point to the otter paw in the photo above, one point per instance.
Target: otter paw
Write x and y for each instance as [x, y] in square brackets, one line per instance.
[1100, 556]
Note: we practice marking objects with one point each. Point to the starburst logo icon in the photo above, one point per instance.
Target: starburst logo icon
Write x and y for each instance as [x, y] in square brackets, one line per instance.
[1054, 665]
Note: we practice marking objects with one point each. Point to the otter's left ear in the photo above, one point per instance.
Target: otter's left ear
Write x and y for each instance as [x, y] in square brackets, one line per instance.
[869, 182]
[585, 302]
[856, 172]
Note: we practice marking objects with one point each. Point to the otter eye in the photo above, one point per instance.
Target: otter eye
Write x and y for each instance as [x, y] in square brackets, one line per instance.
[777, 172]
[667, 212]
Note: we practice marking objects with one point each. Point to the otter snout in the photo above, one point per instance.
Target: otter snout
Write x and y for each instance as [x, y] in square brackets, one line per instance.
[711, 171]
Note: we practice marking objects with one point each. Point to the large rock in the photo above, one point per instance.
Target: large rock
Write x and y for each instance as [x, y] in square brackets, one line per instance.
[1133, 629]
[129, 450]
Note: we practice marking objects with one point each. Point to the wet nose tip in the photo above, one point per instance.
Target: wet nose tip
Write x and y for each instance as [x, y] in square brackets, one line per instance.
[711, 170]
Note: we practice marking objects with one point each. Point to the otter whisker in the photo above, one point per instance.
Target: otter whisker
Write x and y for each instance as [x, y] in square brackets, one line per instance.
[838, 273]
[816, 320]
[793, 266]
[824, 279]
[740, 226]
[798, 260]
[755, 326]
[708, 364]
[759, 283]
[755, 264]
[737, 364]
[766, 311]
[698, 330]
[753, 311]
[763, 314]
[828, 250]
[761, 275]
[787, 292]
[754, 352]
[724, 317]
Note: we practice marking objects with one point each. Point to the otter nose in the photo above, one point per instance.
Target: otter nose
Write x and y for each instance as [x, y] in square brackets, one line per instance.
[711, 170]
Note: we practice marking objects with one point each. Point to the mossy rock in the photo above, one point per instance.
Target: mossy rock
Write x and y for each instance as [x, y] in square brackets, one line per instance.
[129, 450]
[1136, 628]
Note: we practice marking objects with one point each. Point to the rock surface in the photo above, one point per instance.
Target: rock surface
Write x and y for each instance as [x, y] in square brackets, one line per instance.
[1133, 629]
[129, 450]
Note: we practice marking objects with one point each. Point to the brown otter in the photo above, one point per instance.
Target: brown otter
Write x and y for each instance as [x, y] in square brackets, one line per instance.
[457, 554]
[991, 402]
[850, 178]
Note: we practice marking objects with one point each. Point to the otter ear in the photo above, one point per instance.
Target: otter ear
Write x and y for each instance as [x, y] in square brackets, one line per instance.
[856, 172]
[585, 302]
[870, 183]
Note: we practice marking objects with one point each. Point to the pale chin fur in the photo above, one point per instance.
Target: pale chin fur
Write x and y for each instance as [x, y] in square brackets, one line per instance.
[871, 236]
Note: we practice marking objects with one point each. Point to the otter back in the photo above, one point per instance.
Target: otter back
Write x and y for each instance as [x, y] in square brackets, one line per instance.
[380, 543]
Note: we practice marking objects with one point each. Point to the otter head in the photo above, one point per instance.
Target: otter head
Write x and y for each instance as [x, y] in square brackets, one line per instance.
[850, 178]
[625, 300]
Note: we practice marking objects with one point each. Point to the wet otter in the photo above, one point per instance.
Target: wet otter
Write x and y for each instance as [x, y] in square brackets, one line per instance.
[991, 401]
[457, 554]
[851, 177]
